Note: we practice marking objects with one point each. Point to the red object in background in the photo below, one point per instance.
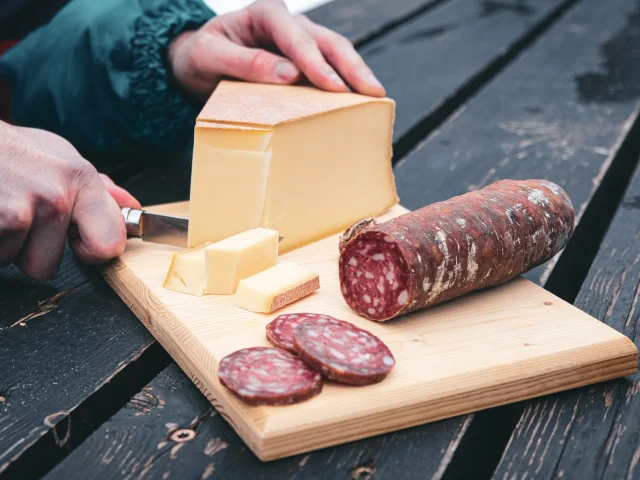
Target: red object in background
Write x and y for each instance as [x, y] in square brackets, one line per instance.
[5, 94]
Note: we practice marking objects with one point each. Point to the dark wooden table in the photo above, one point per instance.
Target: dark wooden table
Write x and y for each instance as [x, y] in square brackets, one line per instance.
[485, 89]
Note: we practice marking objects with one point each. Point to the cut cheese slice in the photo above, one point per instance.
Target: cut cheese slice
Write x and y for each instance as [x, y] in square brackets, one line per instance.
[235, 258]
[228, 189]
[187, 272]
[276, 287]
[330, 163]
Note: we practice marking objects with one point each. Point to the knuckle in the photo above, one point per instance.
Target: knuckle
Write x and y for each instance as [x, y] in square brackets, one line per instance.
[81, 171]
[55, 205]
[343, 42]
[260, 59]
[18, 217]
[304, 45]
[335, 43]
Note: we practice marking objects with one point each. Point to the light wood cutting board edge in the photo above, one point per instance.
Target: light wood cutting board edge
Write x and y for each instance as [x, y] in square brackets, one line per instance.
[591, 364]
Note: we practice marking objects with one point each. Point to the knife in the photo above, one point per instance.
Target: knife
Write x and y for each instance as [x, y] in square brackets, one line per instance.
[154, 228]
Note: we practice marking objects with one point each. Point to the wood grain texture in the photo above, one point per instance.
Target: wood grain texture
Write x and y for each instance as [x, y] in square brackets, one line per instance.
[57, 349]
[591, 432]
[536, 120]
[136, 442]
[522, 338]
[361, 20]
[437, 57]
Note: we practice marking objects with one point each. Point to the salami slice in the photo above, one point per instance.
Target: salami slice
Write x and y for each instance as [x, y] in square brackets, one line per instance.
[448, 249]
[280, 331]
[268, 376]
[343, 352]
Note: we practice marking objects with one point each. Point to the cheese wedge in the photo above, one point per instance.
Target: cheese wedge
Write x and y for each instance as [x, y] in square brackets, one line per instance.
[308, 163]
[187, 272]
[275, 287]
[240, 256]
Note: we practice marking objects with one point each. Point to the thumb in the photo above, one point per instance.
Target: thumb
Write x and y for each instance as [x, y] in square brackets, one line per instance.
[222, 57]
[119, 194]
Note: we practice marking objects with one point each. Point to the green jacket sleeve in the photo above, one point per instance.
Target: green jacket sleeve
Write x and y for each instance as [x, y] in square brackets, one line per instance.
[97, 75]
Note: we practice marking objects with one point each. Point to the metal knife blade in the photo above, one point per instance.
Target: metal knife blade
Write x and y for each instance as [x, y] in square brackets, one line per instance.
[154, 228]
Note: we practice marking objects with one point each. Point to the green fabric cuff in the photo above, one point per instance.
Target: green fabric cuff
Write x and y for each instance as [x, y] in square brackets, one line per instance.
[165, 114]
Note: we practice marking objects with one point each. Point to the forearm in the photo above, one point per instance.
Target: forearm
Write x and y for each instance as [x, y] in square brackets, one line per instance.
[97, 75]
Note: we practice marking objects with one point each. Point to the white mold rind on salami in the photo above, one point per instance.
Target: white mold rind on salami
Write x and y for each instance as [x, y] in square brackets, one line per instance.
[450, 248]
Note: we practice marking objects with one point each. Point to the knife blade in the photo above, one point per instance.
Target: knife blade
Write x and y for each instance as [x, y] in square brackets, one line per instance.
[155, 228]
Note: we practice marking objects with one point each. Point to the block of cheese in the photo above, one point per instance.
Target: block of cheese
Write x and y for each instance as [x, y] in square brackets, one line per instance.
[240, 256]
[309, 163]
[187, 272]
[276, 287]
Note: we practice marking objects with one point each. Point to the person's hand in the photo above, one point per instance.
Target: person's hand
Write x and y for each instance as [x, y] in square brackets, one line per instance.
[242, 44]
[46, 186]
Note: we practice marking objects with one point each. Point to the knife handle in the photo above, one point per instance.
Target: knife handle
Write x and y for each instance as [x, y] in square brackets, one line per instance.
[133, 221]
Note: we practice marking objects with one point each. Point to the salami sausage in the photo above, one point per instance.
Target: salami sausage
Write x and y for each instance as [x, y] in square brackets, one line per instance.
[280, 331]
[268, 376]
[343, 352]
[450, 248]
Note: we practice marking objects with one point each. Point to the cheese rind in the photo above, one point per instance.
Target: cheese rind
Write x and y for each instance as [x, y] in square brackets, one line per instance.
[233, 137]
[275, 288]
[228, 189]
[238, 257]
[187, 272]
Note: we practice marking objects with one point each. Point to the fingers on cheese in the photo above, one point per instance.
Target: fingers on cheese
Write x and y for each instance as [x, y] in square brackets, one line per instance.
[295, 159]
[276, 287]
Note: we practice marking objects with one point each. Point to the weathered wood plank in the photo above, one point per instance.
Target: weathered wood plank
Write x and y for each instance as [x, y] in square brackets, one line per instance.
[360, 21]
[542, 117]
[60, 343]
[437, 59]
[591, 432]
[138, 441]
[454, 161]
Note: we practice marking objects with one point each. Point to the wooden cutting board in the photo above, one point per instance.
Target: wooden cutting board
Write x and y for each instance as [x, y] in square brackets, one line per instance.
[488, 348]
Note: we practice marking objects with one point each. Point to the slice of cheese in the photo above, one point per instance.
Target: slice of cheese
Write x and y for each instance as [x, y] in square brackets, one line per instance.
[330, 162]
[228, 189]
[276, 287]
[187, 272]
[235, 258]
